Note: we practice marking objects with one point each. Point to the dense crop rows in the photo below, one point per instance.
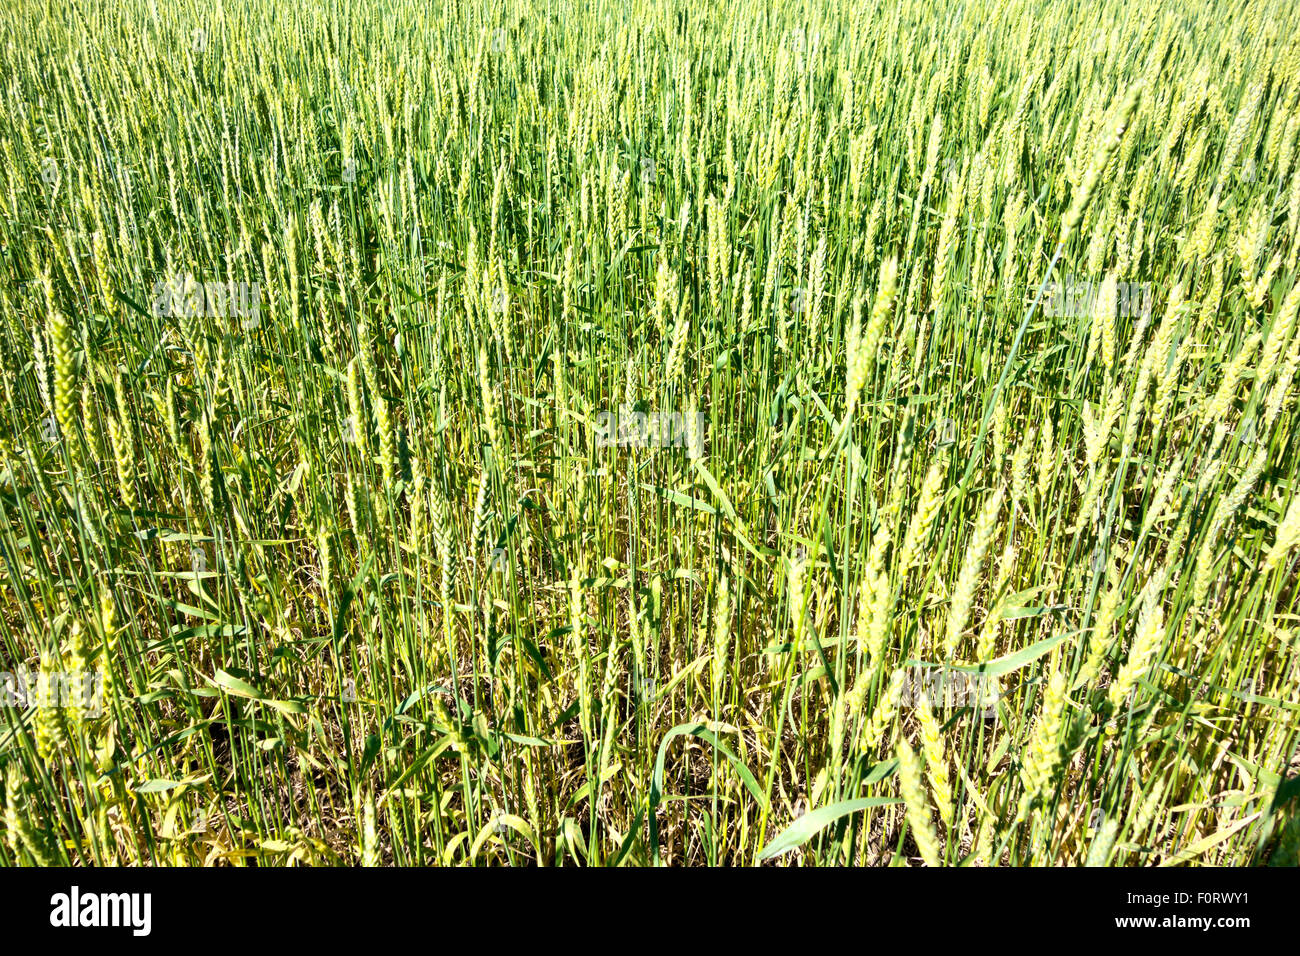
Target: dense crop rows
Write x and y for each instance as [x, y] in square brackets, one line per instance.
[670, 432]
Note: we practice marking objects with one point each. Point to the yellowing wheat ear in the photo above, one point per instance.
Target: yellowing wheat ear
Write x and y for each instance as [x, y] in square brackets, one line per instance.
[917, 804]
[1287, 537]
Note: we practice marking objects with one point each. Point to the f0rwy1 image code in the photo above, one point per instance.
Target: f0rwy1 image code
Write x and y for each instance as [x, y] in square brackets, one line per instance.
[1201, 899]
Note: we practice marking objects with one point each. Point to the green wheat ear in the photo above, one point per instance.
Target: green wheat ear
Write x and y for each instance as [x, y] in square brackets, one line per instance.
[1101, 157]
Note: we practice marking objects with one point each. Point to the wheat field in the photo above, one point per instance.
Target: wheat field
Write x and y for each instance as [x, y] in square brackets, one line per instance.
[602, 432]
